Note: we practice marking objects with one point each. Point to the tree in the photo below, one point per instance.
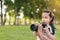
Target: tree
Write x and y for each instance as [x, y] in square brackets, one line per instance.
[10, 7]
[1, 14]
[30, 8]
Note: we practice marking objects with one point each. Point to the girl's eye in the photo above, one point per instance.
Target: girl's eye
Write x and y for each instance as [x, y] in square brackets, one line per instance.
[45, 17]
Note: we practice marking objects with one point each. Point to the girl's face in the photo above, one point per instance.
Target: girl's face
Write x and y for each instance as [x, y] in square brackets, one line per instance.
[46, 18]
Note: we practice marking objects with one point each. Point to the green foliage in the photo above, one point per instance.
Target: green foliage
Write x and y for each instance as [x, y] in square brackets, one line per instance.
[11, 14]
[29, 7]
[32, 5]
[8, 3]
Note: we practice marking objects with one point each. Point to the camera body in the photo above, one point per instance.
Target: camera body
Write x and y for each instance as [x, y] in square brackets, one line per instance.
[34, 27]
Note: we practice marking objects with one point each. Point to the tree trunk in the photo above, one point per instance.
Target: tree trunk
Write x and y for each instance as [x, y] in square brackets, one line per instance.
[4, 19]
[1, 14]
[15, 16]
[25, 21]
[15, 20]
[9, 20]
[30, 21]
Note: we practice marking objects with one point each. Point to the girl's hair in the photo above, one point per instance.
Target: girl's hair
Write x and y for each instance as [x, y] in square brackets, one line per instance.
[51, 15]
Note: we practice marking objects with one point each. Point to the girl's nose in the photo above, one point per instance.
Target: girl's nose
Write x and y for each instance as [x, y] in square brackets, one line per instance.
[43, 20]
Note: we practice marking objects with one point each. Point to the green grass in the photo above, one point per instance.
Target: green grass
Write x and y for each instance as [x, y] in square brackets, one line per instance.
[57, 32]
[21, 33]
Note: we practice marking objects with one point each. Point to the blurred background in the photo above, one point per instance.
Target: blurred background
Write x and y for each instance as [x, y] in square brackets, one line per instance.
[19, 12]
[16, 16]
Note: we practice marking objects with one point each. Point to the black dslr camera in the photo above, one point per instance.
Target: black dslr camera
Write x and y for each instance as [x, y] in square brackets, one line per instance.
[34, 27]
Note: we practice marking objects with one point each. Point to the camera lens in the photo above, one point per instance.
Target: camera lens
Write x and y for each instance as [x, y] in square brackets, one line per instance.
[33, 27]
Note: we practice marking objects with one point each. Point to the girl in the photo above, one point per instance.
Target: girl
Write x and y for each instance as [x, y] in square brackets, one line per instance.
[47, 33]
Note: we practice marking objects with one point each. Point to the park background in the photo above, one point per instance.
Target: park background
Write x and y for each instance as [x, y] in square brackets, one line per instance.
[16, 16]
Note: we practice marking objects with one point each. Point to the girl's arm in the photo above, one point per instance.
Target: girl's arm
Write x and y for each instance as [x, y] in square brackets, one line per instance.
[52, 37]
[40, 33]
[41, 36]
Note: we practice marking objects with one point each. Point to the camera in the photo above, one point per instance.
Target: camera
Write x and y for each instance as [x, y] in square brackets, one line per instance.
[34, 27]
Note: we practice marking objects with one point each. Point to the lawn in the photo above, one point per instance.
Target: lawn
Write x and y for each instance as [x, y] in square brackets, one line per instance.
[21, 33]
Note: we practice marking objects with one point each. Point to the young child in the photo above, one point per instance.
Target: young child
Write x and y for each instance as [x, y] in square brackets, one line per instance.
[47, 33]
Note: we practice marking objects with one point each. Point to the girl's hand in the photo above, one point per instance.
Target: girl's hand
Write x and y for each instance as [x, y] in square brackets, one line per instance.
[35, 33]
[46, 29]
[39, 29]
